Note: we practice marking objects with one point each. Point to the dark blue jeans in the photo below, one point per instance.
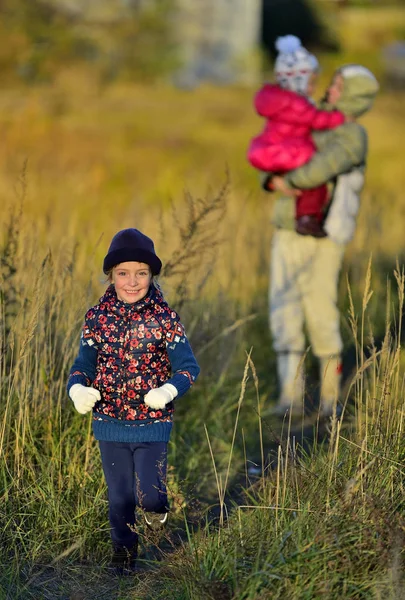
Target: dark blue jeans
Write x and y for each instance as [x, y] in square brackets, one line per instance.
[136, 477]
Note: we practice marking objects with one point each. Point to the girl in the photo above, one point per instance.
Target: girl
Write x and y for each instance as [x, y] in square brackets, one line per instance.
[134, 360]
[286, 143]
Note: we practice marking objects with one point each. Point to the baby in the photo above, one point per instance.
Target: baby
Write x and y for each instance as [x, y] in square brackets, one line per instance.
[286, 142]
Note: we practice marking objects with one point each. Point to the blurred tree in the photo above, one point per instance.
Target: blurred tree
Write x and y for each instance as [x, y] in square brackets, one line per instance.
[141, 45]
[297, 17]
[47, 37]
[131, 38]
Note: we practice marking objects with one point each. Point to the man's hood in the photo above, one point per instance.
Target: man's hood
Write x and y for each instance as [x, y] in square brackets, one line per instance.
[359, 90]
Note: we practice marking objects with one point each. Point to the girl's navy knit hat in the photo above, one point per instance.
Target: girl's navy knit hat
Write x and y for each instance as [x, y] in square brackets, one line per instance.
[132, 244]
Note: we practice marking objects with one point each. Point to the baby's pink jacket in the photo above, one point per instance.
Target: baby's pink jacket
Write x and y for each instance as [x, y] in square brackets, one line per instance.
[286, 143]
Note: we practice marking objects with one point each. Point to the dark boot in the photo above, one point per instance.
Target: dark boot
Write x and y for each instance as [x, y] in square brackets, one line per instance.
[123, 560]
[309, 225]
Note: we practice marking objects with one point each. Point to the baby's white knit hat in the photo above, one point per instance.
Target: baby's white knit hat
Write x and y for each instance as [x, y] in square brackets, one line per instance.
[294, 64]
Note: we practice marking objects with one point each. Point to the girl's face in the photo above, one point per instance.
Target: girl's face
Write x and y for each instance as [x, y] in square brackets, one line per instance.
[131, 280]
[335, 89]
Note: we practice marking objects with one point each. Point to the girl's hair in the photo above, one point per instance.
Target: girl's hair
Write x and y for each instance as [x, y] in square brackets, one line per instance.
[156, 283]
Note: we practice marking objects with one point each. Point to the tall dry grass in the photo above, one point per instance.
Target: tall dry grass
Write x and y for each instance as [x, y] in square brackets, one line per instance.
[326, 522]
[293, 532]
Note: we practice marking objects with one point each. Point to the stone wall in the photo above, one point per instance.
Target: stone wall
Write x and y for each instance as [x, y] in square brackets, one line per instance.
[218, 40]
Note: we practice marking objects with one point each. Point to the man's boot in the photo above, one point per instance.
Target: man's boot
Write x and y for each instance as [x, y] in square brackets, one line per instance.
[330, 373]
[291, 383]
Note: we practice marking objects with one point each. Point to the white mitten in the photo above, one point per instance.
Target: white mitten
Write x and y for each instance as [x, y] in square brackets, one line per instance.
[159, 397]
[84, 398]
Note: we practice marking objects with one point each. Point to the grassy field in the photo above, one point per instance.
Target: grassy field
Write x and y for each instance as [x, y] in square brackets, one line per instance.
[77, 163]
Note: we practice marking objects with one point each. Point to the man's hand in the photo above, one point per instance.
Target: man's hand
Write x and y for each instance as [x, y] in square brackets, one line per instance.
[159, 397]
[84, 398]
[279, 185]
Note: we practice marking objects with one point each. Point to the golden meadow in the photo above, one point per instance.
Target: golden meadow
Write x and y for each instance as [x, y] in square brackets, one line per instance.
[99, 158]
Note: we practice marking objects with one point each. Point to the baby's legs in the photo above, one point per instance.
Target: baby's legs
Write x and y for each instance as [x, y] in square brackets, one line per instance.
[309, 211]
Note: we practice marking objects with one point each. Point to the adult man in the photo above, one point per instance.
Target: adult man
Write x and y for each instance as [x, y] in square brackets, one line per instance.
[304, 269]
